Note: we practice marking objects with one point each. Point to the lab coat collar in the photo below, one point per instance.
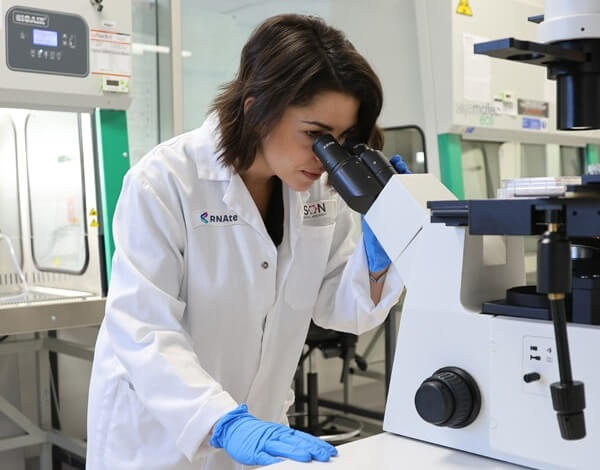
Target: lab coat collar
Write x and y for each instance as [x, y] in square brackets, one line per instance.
[203, 150]
[237, 196]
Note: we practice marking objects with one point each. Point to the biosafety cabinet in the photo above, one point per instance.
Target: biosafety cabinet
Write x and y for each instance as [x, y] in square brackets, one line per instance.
[64, 77]
[65, 82]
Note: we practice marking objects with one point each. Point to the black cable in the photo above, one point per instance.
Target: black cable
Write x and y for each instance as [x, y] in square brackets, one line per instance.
[2, 338]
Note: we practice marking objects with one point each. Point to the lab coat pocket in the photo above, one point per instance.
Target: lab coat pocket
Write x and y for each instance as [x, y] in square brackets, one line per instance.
[311, 254]
[130, 430]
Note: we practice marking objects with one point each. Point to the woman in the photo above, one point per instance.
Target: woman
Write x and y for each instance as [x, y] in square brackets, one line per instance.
[228, 241]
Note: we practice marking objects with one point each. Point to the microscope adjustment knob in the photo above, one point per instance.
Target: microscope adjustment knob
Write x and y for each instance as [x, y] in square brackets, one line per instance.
[450, 397]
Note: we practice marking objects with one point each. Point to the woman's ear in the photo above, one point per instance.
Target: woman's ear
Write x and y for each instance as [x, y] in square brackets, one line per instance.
[247, 103]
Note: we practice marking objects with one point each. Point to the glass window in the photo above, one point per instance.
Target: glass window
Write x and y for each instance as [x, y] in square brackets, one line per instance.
[409, 143]
[142, 115]
[54, 171]
[213, 34]
[10, 220]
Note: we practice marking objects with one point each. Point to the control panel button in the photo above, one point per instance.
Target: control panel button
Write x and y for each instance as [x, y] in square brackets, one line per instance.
[531, 377]
[450, 397]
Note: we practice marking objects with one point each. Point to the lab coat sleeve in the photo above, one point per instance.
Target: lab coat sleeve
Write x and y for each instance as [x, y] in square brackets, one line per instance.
[144, 319]
[344, 301]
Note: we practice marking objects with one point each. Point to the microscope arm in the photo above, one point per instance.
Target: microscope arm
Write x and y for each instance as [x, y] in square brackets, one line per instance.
[400, 212]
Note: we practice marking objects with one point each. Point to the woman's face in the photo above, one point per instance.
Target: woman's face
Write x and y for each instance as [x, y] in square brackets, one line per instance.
[286, 151]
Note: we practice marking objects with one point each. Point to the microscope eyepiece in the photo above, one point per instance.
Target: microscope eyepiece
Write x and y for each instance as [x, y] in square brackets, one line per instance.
[373, 159]
[331, 154]
[347, 173]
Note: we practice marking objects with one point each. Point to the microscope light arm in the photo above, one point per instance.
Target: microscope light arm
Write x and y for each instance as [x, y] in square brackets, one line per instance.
[400, 212]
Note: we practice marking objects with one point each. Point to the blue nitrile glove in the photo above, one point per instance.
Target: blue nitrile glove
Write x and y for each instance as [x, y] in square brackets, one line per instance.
[251, 441]
[399, 164]
[377, 259]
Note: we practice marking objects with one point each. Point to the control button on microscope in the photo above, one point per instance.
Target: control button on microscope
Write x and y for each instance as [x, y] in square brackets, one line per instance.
[434, 402]
[531, 377]
[450, 397]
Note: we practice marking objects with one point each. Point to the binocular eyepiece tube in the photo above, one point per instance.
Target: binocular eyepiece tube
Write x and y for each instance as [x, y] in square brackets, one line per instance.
[357, 172]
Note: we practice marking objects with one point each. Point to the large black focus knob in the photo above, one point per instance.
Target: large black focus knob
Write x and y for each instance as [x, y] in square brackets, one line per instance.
[450, 397]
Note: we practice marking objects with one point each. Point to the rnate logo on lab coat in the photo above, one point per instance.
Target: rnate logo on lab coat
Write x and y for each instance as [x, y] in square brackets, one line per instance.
[320, 209]
[204, 218]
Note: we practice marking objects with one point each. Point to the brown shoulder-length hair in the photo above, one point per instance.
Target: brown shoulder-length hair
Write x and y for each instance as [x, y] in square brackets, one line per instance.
[287, 61]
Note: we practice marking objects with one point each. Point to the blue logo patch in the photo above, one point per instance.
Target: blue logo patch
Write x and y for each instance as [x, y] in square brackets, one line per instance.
[208, 218]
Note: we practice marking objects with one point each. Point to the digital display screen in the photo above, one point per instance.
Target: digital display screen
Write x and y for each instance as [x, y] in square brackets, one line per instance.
[45, 37]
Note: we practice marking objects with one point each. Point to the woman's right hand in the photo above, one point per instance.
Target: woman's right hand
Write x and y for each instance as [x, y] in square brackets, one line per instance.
[251, 441]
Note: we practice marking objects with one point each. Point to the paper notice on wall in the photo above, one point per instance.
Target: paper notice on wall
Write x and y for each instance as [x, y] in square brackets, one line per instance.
[476, 70]
[110, 53]
[550, 90]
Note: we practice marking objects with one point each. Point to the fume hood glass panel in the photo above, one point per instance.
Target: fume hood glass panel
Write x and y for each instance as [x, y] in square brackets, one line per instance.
[533, 161]
[10, 224]
[572, 161]
[486, 164]
[409, 143]
[56, 197]
[480, 168]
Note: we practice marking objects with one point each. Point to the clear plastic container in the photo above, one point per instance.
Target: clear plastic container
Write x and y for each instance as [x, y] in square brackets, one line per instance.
[536, 187]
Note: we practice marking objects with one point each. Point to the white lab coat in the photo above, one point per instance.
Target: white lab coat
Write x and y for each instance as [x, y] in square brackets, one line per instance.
[206, 313]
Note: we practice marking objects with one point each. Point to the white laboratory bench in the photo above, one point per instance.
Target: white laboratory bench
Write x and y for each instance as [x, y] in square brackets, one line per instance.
[390, 452]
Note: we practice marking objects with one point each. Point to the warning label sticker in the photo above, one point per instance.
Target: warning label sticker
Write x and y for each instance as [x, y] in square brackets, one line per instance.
[110, 53]
[533, 107]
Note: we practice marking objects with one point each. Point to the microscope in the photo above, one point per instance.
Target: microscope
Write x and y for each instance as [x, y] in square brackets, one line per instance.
[485, 363]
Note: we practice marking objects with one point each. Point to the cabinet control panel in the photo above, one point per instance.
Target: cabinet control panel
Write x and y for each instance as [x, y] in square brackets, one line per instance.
[48, 42]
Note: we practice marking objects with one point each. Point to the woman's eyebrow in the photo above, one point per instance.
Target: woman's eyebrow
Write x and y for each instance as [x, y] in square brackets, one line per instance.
[320, 124]
[328, 128]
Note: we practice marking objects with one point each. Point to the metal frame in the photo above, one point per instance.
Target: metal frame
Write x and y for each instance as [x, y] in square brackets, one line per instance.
[51, 315]
[41, 434]
[176, 66]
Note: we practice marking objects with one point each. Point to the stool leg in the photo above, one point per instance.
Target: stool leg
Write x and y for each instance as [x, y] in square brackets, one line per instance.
[299, 392]
[347, 377]
[313, 403]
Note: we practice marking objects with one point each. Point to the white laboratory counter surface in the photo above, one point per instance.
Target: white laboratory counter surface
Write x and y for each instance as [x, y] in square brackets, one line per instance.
[391, 452]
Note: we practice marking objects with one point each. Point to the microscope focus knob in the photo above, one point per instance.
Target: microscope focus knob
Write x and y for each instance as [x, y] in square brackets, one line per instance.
[450, 397]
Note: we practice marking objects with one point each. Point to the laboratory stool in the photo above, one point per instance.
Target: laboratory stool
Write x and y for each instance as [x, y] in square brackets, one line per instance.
[335, 428]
